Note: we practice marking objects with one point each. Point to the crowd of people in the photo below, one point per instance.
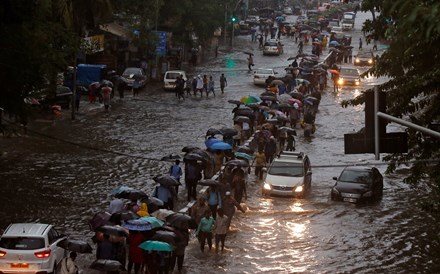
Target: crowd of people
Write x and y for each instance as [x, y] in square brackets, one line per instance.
[198, 84]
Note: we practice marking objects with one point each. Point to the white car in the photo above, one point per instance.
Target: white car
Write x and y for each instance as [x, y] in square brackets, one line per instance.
[169, 79]
[261, 74]
[288, 10]
[132, 73]
[290, 174]
[30, 248]
[273, 47]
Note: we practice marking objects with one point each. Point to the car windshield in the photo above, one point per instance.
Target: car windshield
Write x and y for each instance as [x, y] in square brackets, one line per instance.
[286, 169]
[349, 72]
[129, 71]
[263, 71]
[364, 54]
[22, 243]
[333, 24]
[172, 75]
[355, 176]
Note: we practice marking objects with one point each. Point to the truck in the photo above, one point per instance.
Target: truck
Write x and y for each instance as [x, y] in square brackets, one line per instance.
[347, 21]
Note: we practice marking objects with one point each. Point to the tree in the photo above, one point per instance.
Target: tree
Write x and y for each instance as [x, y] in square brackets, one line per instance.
[412, 63]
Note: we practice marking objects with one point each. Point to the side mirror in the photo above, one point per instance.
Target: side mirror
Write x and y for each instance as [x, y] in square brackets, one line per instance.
[335, 178]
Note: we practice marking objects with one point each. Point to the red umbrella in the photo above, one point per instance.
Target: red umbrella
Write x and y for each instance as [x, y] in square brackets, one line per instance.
[333, 71]
[293, 101]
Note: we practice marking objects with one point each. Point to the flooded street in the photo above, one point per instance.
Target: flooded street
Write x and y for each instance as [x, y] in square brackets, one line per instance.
[65, 176]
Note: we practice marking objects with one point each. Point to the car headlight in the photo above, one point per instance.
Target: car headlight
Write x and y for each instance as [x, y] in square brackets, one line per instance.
[357, 82]
[357, 60]
[266, 186]
[341, 81]
[335, 191]
[368, 194]
[370, 61]
[299, 189]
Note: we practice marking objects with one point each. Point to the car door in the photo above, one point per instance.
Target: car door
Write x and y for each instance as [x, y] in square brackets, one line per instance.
[308, 173]
[54, 238]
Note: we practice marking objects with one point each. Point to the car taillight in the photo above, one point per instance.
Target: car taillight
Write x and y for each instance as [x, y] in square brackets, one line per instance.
[43, 254]
[2, 254]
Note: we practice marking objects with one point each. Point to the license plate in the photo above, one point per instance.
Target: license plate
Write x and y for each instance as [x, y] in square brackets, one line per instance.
[351, 200]
[19, 265]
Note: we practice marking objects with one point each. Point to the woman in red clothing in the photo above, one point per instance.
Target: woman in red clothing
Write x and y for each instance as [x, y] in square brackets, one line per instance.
[135, 254]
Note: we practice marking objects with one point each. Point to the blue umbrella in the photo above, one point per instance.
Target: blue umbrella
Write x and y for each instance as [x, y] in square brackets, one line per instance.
[209, 142]
[334, 43]
[220, 146]
[138, 225]
[120, 189]
[155, 222]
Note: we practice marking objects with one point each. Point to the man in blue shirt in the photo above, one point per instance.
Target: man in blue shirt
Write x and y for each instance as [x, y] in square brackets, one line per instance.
[166, 195]
[176, 172]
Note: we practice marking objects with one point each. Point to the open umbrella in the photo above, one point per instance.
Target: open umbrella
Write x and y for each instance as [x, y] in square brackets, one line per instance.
[138, 225]
[156, 246]
[237, 163]
[236, 102]
[193, 157]
[120, 189]
[300, 81]
[210, 141]
[213, 131]
[334, 43]
[107, 265]
[188, 149]
[168, 237]
[275, 82]
[296, 95]
[113, 230]
[283, 98]
[162, 213]
[268, 93]
[166, 180]
[153, 203]
[181, 221]
[155, 222]
[243, 156]
[244, 112]
[250, 99]
[249, 53]
[311, 100]
[100, 219]
[334, 71]
[245, 149]
[78, 246]
[132, 194]
[226, 131]
[294, 100]
[209, 182]
[220, 146]
[123, 216]
[242, 119]
[269, 98]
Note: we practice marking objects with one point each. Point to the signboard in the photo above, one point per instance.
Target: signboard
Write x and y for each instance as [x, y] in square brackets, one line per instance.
[93, 44]
[161, 43]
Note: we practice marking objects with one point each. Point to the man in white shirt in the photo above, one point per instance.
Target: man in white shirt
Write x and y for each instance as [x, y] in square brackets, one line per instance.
[68, 265]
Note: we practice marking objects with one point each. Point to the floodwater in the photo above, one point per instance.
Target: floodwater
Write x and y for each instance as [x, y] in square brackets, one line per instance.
[65, 175]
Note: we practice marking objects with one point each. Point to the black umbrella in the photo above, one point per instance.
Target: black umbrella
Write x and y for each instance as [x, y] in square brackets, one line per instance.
[181, 221]
[249, 53]
[237, 163]
[209, 182]
[123, 216]
[292, 58]
[165, 236]
[244, 112]
[78, 246]
[268, 98]
[272, 121]
[153, 203]
[131, 194]
[100, 219]
[245, 149]
[296, 95]
[112, 230]
[285, 106]
[282, 119]
[193, 157]
[187, 149]
[107, 265]
[213, 131]
[166, 180]
[268, 93]
[242, 119]
[236, 102]
[226, 131]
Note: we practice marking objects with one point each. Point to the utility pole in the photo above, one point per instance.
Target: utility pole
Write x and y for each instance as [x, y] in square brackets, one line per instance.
[226, 22]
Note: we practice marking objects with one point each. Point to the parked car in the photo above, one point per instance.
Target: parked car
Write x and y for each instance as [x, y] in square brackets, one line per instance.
[364, 58]
[132, 73]
[290, 174]
[358, 183]
[30, 248]
[169, 78]
[261, 74]
[332, 24]
[349, 76]
[273, 47]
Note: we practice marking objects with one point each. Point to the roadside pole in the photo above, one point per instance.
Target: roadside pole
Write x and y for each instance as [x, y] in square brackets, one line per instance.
[74, 89]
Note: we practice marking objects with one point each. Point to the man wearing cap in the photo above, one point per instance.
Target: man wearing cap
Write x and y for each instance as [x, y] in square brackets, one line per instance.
[228, 205]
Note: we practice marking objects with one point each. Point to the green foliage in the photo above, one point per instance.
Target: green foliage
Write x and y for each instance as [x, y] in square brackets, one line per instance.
[412, 63]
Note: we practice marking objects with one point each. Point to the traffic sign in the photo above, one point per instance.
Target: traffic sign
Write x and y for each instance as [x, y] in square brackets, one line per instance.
[161, 43]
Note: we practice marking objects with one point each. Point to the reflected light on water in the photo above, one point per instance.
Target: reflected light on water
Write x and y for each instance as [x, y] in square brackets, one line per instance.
[230, 63]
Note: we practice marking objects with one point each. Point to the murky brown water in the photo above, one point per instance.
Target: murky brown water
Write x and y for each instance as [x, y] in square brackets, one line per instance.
[53, 181]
